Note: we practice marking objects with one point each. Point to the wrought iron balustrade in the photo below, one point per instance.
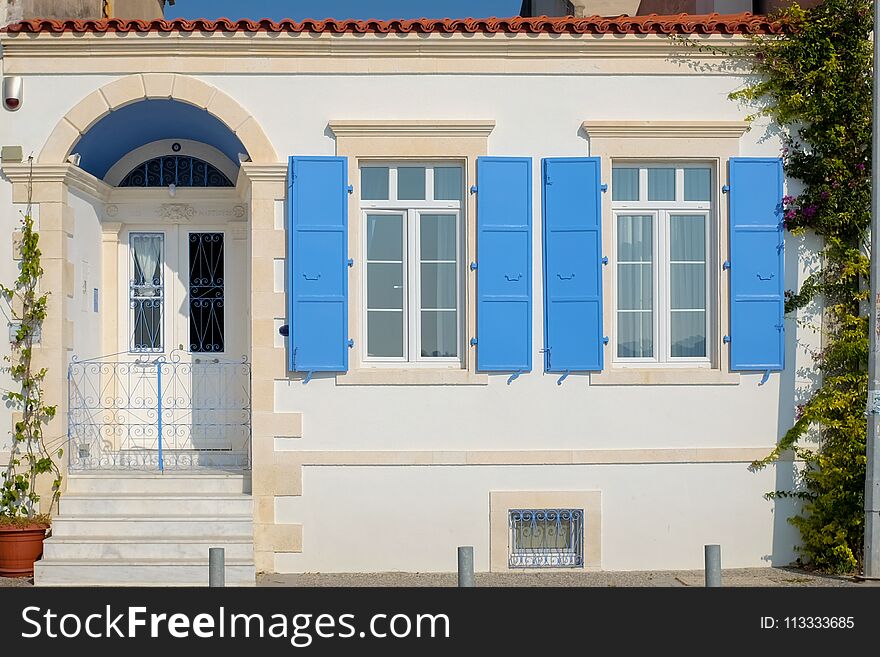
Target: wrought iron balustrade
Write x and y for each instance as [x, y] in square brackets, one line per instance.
[159, 414]
[546, 538]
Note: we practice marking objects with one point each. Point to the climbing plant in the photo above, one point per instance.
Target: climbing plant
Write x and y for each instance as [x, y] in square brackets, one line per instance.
[816, 81]
[29, 458]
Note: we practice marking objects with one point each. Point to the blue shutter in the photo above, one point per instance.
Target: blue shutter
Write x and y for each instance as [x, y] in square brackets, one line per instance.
[757, 301]
[318, 268]
[573, 332]
[504, 258]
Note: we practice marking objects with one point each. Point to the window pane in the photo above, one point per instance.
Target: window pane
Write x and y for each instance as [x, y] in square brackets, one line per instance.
[374, 183]
[635, 335]
[384, 286]
[438, 237]
[688, 334]
[635, 287]
[634, 238]
[439, 334]
[447, 183]
[696, 184]
[542, 531]
[661, 184]
[385, 334]
[206, 293]
[687, 234]
[146, 291]
[411, 183]
[438, 285]
[624, 184]
[385, 237]
[688, 286]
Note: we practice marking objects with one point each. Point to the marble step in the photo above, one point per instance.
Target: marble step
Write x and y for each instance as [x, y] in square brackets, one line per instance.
[163, 525]
[134, 504]
[223, 483]
[139, 572]
[144, 547]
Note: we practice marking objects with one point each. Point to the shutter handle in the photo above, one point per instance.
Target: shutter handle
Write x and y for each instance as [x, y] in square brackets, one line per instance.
[473, 189]
[513, 278]
[725, 189]
[563, 377]
[726, 265]
[726, 339]
[350, 343]
[350, 189]
[604, 187]
[473, 266]
[765, 278]
[473, 342]
[351, 262]
[311, 278]
[565, 278]
[605, 340]
[604, 260]
[514, 377]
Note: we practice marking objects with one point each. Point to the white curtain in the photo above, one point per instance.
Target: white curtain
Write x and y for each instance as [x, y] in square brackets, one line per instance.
[147, 253]
[688, 285]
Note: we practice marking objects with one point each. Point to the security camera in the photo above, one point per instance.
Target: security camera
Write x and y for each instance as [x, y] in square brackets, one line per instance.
[12, 93]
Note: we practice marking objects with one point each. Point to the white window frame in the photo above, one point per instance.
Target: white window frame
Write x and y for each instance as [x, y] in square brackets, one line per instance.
[660, 213]
[411, 211]
[130, 298]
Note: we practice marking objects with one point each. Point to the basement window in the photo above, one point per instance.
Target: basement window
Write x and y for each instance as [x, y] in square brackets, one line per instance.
[546, 538]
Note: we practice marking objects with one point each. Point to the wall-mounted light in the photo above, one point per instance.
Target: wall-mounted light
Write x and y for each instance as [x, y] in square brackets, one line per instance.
[74, 159]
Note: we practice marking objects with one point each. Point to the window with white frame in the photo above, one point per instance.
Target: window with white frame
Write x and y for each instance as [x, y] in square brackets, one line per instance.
[412, 236]
[146, 291]
[663, 227]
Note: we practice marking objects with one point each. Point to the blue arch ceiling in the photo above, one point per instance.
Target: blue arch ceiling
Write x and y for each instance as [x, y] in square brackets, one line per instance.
[146, 121]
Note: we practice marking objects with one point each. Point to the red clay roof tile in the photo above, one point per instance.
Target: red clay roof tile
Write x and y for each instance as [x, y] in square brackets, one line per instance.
[652, 24]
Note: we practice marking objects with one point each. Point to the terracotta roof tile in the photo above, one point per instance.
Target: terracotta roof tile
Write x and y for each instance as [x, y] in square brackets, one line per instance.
[652, 24]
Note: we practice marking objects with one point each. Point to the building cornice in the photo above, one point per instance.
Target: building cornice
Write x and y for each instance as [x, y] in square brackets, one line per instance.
[435, 129]
[665, 129]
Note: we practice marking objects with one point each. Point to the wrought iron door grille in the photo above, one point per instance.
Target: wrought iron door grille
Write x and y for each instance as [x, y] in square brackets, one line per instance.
[546, 538]
[159, 414]
[206, 293]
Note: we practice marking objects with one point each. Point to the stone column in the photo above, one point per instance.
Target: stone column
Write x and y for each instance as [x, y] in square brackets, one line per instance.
[274, 473]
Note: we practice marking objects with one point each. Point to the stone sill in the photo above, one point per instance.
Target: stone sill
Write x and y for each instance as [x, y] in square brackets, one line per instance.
[411, 377]
[664, 377]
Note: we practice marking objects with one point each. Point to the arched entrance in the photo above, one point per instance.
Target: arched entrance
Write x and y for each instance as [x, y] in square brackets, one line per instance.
[174, 375]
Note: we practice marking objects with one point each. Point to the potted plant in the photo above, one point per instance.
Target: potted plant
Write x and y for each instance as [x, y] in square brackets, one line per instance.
[22, 526]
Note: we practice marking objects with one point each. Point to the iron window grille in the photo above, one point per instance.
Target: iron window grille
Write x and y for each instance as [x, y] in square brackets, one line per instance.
[177, 170]
[546, 538]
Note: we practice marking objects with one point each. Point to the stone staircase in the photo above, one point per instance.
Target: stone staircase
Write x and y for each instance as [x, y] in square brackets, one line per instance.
[139, 529]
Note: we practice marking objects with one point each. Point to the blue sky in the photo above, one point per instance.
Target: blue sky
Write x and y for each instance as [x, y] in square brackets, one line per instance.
[362, 9]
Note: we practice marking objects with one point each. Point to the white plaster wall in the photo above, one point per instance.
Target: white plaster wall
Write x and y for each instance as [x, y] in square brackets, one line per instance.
[85, 254]
[411, 519]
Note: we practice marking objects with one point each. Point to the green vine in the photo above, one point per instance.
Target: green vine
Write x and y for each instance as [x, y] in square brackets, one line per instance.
[815, 81]
[29, 457]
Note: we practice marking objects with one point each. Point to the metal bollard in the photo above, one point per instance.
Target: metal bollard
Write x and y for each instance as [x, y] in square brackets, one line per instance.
[466, 567]
[216, 567]
[713, 565]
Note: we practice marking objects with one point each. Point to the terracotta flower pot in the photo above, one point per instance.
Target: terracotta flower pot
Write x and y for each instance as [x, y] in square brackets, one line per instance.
[20, 547]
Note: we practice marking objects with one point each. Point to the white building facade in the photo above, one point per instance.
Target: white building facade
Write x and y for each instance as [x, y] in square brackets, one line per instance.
[515, 284]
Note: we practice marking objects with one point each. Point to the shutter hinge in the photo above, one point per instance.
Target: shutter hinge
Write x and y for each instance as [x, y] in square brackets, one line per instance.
[604, 260]
[726, 339]
[351, 262]
[604, 187]
[350, 343]
[725, 189]
[473, 189]
[514, 377]
[726, 265]
[563, 377]
[350, 189]
[473, 266]
[473, 342]
[780, 327]
[546, 350]
[547, 180]
[295, 349]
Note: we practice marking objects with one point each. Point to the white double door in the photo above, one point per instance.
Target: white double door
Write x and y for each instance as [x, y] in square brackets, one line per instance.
[183, 335]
